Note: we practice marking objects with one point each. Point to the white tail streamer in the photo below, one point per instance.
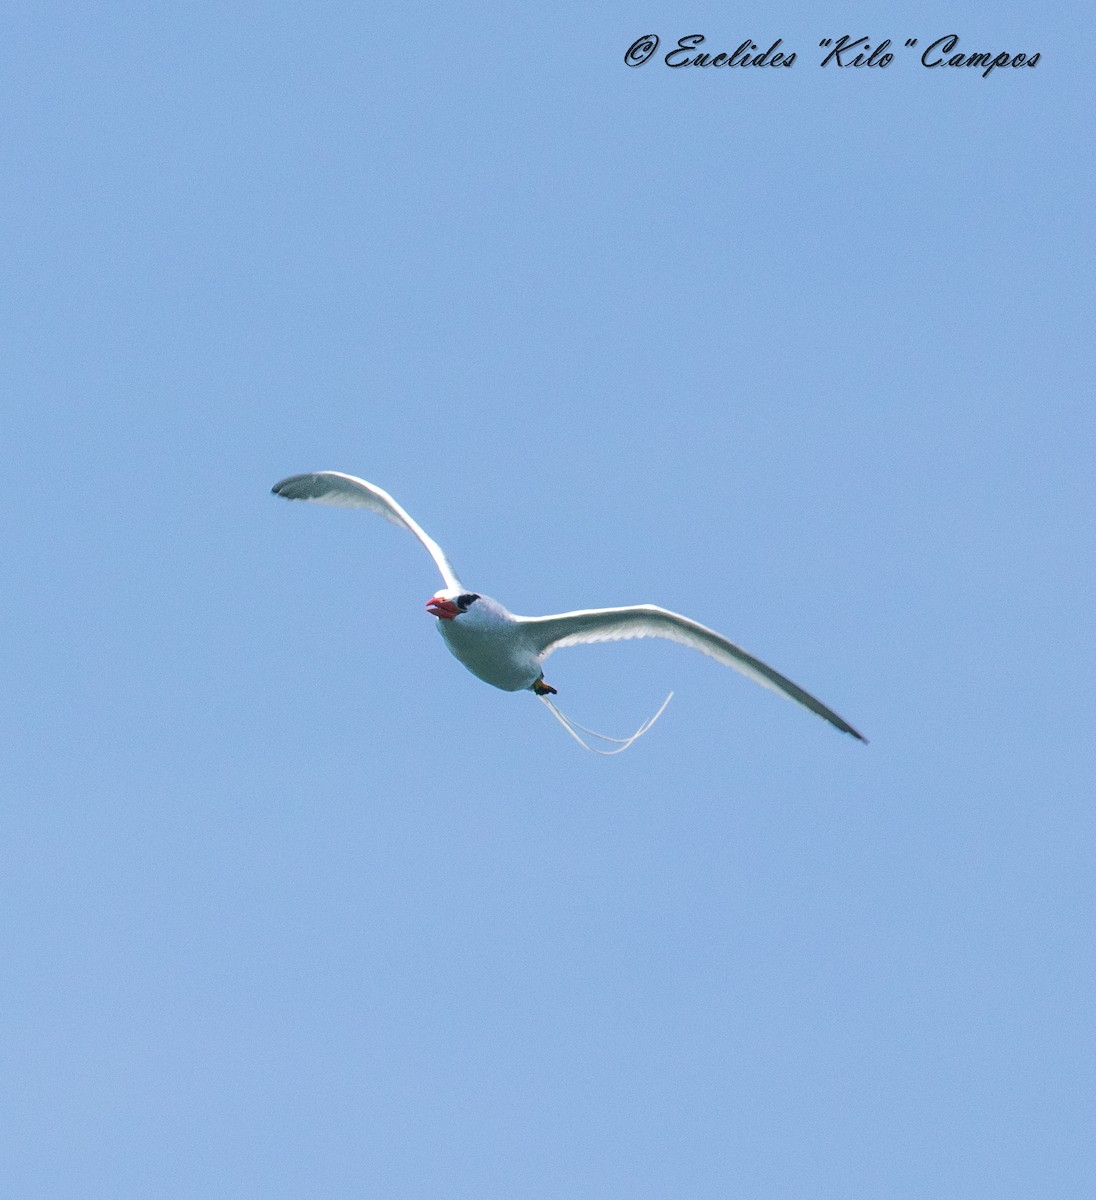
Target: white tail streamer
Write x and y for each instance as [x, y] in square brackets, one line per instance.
[622, 744]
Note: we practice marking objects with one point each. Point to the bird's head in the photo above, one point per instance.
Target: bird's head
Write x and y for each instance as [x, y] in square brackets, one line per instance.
[450, 603]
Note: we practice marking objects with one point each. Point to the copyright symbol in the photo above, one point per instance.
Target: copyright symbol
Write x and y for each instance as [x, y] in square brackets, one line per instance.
[641, 50]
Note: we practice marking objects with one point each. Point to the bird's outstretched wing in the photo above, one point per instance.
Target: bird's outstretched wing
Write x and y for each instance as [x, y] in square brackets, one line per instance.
[648, 620]
[347, 491]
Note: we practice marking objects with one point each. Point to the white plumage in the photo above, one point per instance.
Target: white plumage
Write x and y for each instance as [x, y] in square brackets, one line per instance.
[507, 650]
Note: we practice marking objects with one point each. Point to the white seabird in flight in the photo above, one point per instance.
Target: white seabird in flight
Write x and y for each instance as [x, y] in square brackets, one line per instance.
[507, 651]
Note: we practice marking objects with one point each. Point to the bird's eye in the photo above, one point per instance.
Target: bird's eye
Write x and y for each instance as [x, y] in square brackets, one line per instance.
[464, 601]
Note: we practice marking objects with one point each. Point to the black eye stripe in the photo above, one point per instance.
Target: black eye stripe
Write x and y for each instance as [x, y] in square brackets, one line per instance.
[464, 601]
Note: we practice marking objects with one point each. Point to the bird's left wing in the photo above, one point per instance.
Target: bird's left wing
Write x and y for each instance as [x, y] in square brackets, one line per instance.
[648, 620]
[347, 491]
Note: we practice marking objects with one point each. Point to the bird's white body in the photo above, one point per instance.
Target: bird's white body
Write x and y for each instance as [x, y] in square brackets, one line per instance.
[508, 651]
[492, 644]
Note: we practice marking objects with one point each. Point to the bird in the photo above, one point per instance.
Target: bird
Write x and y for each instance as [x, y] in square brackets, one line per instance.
[507, 650]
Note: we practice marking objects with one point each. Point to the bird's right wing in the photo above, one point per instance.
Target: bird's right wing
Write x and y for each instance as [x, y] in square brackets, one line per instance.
[546, 634]
[347, 491]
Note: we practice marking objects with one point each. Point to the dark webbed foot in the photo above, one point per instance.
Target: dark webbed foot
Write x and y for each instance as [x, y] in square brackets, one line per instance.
[543, 689]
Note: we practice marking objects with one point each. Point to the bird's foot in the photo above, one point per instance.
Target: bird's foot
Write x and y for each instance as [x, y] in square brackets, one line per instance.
[543, 689]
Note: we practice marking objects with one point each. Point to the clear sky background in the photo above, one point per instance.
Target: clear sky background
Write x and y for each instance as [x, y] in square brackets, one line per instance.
[292, 904]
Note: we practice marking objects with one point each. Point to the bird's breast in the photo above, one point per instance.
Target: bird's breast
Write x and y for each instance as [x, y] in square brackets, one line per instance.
[492, 646]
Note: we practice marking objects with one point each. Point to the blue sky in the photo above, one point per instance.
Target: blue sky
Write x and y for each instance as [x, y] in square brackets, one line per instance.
[293, 905]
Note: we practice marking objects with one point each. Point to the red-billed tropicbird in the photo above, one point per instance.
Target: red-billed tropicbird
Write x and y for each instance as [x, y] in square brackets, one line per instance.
[507, 651]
